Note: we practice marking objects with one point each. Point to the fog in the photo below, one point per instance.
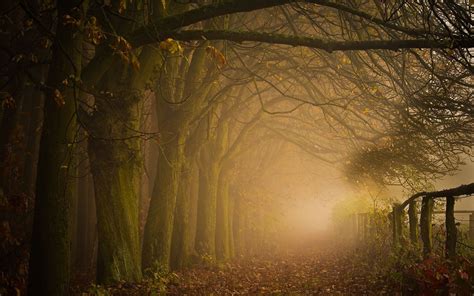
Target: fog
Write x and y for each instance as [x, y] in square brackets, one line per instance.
[196, 146]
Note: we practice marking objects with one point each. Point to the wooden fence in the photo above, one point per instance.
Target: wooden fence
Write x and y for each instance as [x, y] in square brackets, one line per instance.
[359, 224]
[426, 217]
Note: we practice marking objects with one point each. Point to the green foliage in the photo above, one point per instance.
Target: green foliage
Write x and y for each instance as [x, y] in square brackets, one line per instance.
[405, 267]
[98, 290]
[158, 278]
[350, 205]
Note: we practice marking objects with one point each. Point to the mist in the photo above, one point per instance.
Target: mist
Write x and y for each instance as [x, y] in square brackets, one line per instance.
[236, 147]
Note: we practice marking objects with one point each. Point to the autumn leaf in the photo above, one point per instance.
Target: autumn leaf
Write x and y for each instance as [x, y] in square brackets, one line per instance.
[45, 42]
[69, 20]
[58, 98]
[170, 45]
[216, 55]
[124, 50]
[345, 60]
[8, 102]
[122, 6]
[93, 32]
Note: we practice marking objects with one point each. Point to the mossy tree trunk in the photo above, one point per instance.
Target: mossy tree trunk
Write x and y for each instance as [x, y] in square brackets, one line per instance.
[173, 123]
[114, 128]
[210, 167]
[231, 224]
[223, 224]
[49, 272]
[114, 151]
[181, 243]
[205, 242]
[237, 226]
[159, 225]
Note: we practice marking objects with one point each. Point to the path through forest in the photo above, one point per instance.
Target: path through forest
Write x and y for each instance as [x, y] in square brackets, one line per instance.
[315, 270]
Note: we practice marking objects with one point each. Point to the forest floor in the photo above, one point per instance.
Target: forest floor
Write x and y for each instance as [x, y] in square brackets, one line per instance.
[308, 271]
[319, 272]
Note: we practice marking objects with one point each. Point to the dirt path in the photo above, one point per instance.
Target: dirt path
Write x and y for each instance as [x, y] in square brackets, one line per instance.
[321, 270]
[316, 272]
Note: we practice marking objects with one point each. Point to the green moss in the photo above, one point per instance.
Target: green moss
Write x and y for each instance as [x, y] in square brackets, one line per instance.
[207, 206]
[159, 225]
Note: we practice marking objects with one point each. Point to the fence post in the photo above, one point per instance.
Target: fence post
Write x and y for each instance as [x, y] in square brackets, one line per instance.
[425, 224]
[396, 224]
[413, 221]
[451, 231]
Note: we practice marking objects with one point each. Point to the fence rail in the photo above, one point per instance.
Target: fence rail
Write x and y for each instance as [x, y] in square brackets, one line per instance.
[422, 228]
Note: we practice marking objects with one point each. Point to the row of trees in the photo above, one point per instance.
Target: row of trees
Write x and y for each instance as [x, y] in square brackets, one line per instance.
[106, 88]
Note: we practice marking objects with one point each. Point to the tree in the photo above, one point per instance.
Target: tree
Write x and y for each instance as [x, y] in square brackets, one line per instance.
[50, 253]
[371, 70]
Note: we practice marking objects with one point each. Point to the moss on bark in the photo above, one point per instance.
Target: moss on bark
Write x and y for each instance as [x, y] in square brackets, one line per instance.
[159, 225]
[207, 205]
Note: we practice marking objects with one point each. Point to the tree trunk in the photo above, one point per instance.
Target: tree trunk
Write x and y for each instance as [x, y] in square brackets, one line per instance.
[86, 216]
[207, 205]
[231, 225]
[223, 218]
[181, 243]
[115, 158]
[159, 224]
[237, 226]
[115, 169]
[49, 271]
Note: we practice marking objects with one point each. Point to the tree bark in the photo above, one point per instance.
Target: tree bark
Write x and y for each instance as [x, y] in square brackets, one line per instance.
[181, 242]
[115, 157]
[207, 206]
[159, 224]
[237, 226]
[49, 272]
[223, 233]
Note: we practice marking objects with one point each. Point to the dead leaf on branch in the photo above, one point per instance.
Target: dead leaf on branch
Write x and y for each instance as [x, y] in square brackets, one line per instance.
[69, 20]
[170, 45]
[123, 48]
[58, 98]
[8, 102]
[93, 31]
[216, 55]
[122, 6]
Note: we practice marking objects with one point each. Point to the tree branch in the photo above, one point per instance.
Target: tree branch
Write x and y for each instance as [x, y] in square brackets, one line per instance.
[317, 43]
[152, 32]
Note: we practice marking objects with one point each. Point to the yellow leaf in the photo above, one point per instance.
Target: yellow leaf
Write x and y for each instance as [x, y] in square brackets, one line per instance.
[345, 60]
[170, 45]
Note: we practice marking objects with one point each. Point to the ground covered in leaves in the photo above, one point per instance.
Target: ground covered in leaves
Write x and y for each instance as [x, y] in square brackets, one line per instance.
[321, 272]
[309, 271]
